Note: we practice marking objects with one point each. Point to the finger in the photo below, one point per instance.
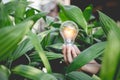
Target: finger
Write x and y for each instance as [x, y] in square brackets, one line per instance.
[69, 55]
[64, 51]
[74, 54]
[76, 49]
[93, 62]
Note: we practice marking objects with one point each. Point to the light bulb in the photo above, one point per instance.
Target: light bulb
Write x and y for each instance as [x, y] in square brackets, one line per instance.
[69, 31]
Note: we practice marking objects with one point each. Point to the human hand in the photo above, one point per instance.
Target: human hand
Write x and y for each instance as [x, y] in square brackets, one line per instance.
[70, 52]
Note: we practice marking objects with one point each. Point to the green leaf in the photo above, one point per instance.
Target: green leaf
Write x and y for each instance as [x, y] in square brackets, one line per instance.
[49, 38]
[22, 48]
[49, 20]
[95, 77]
[35, 41]
[50, 56]
[111, 58]
[56, 24]
[75, 14]
[55, 46]
[118, 74]
[32, 73]
[98, 33]
[106, 22]
[4, 73]
[30, 12]
[4, 17]
[46, 40]
[11, 36]
[88, 12]
[26, 45]
[36, 16]
[62, 16]
[86, 56]
[10, 7]
[110, 72]
[59, 76]
[75, 75]
[43, 34]
[20, 10]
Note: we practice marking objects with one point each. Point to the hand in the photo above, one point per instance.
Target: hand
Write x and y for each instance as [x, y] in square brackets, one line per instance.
[70, 52]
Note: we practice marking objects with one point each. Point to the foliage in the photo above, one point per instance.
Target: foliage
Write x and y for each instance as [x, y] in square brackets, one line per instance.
[32, 73]
[112, 49]
[75, 14]
[4, 73]
[84, 58]
[75, 75]
[38, 50]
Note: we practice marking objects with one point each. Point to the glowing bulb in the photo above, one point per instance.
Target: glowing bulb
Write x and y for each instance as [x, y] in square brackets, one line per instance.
[69, 31]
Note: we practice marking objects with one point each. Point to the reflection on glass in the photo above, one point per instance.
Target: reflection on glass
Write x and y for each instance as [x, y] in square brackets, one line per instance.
[69, 31]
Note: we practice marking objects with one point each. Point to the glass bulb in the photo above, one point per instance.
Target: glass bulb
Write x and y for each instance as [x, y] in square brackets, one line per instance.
[69, 31]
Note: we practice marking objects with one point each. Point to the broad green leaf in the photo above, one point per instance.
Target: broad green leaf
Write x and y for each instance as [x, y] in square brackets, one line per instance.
[22, 48]
[75, 14]
[20, 10]
[32, 73]
[88, 12]
[109, 72]
[35, 41]
[62, 16]
[59, 76]
[75, 75]
[26, 45]
[4, 73]
[95, 77]
[55, 46]
[4, 17]
[56, 24]
[96, 23]
[10, 7]
[111, 58]
[36, 16]
[11, 36]
[106, 22]
[49, 38]
[118, 73]
[43, 34]
[50, 56]
[86, 56]
[30, 12]
[46, 40]
[98, 33]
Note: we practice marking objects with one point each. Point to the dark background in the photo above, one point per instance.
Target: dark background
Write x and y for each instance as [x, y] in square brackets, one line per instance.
[109, 7]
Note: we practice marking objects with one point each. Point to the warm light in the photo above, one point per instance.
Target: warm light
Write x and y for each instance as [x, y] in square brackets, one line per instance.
[69, 31]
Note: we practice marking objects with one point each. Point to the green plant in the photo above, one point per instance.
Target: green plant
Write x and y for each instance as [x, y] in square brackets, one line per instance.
[17, 41]
[112, 52]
